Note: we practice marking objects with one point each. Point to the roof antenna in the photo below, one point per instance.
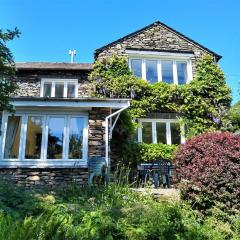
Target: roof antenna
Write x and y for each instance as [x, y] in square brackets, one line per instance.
[72, 53]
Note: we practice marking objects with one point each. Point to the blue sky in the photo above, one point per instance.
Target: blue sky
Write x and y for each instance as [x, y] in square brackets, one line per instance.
[51, 27]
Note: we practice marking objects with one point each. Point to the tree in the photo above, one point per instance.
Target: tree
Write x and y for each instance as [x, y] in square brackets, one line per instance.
[7, 70]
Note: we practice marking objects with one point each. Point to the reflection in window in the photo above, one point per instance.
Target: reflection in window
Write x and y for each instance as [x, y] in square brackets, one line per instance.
[182, 72]
[47, 88]
[175, 133]
[167, 71]
[151, 71]
[75, 138]
[147, 132]
[12, 137]
[136, 67]
[59, 89]
[71, 90]
[33, 138]
[55, 138]
[161, 132]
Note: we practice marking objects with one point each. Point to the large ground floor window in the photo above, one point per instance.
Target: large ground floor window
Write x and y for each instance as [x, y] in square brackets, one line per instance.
[44, 137]
[167, 131]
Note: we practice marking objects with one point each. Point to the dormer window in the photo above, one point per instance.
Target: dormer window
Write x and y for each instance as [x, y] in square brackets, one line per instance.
[161, 66]
[66, 88]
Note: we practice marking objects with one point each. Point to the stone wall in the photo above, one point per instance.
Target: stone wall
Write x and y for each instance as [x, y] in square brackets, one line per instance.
[96, 131]
[29, 81]
[153, 38]
[51, 177]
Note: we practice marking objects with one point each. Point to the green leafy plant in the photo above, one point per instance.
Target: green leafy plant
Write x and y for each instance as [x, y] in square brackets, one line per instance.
[202, 104]
[136, 152]
[209, 167]
[109, 212]
[7, 70]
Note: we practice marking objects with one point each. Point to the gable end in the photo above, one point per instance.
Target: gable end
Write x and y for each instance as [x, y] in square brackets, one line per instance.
[157, 23]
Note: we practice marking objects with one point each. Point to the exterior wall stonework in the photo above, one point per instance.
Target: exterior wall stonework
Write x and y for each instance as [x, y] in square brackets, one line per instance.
[29, 82]
[42, 177]
[96, 132]
[156, 37]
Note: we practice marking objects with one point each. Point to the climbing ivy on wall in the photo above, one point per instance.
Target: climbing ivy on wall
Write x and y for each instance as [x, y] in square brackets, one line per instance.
[202, 104]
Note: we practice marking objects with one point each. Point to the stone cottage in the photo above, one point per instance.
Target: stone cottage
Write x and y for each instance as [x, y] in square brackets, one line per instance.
[58, 127]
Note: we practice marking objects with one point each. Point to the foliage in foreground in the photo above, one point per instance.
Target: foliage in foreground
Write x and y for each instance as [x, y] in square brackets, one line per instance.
[209, 166]
[111, 212]
[234, 117]
[7, 71]
[141, 152]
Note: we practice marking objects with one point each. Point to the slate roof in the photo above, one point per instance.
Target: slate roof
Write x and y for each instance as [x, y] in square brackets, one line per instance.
[53, 66]
[97, 51]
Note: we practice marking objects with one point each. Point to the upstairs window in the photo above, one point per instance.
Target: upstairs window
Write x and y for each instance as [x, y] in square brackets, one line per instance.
[162, 70]
[67, 88]
[167, 71]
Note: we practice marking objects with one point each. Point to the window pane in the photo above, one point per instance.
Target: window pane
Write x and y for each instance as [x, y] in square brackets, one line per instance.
[147, 132]
[75, 138]
[71, 90]
[175, 133]
[167, 71]
[59, 87]
[34, 138]
[182, 72]
[151, 71]
[55, 138]
[47, 87]
[161, 132]
[136, 67]
[12, 137]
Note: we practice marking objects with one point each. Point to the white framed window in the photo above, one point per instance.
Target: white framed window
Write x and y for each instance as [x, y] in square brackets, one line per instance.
[166, 131]
[60, 88]
[48, 139]
[169, 70]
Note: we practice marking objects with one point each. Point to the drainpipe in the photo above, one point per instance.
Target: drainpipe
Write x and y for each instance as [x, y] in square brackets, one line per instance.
[106, 132]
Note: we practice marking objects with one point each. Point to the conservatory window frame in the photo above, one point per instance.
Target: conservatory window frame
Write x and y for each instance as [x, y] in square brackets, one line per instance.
[65, 161]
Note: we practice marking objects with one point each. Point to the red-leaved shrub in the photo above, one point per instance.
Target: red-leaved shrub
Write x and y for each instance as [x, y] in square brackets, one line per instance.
[209, 169]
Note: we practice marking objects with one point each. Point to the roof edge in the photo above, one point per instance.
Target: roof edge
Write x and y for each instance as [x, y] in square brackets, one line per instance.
[52, 66]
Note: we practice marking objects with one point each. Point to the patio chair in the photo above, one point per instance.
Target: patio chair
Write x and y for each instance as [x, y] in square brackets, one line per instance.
[97, 167]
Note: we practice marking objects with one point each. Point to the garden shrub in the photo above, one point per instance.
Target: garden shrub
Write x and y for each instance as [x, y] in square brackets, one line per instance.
[209, 167]
[108, 212]
[135, 153]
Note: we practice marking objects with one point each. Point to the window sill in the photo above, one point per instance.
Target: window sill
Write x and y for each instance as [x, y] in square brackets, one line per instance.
[42, 164]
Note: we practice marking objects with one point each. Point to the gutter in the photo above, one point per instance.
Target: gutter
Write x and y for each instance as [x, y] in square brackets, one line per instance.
[107, 159]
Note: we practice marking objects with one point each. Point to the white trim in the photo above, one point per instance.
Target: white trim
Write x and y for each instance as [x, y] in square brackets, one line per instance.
[43, 161]
[154, 129]
[144, 70]
[159, 54]
[175, 75]
[174, 60]
[107, 147]
[115, 104]
[53, 81]
[159, 70]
